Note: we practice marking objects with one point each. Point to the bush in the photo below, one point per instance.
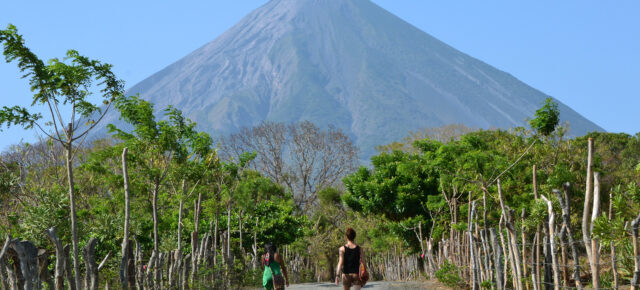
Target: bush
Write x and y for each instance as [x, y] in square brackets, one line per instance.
[449, 275]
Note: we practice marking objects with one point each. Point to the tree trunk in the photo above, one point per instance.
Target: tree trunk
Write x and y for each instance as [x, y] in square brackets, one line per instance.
[256, 261]
[229, 233]
[566, 221]
[552, 240]
[614, 266]
[125, 280]
[139, 270]
[91, 277]
[215, 238]
[3, 252]
[595, 243]
[635, 281]
[194, 245]
[538, 249]
[586, 234]
[524, 249]
[240, 231]
[27, 254]
[72, 205]
[156, 235]
[59, 268]
[497, 259]
[504, 251]
[474, 268]
[548, 261]
[68, 270]
[564, 260]
[185, 271]
[506, 212]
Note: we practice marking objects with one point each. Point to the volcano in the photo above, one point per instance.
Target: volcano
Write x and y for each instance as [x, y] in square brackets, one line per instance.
[346, 63]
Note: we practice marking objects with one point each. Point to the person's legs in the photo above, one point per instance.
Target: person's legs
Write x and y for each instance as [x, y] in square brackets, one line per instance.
[356, 282]
[346, 282]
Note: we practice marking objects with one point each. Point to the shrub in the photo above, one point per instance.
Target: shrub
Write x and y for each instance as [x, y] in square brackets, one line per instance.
[449, 275]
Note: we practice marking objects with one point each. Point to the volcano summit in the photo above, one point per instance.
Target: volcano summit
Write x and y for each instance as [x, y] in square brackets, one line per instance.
[348, 63]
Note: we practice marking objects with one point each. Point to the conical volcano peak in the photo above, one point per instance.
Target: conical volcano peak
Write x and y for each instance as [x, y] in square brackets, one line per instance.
[348, 63]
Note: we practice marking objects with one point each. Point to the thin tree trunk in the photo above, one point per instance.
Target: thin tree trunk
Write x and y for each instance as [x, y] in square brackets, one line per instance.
[68, 269]
[506, 212]
[72, 205]
[566, 220]
[256, 261]
[215, 238]
[564, 260]
[156, 237]
[538, 249]
[474, 271]
[124, 264]
[548, 260]
[595, 243]
[614, 266]
[586, 234]
[3, 252]
[635, 281]
[240, 230]
[503, 244]
[524, 250]
[497, 259]
[194, 246]
[59, 268]
[229, 232]
[91, 267]
[552, 240]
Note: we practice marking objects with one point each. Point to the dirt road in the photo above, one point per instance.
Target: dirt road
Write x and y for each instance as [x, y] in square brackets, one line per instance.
[374, 285]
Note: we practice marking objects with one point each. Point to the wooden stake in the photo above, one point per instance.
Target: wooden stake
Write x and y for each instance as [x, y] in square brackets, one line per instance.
[554, 259]
[595, 243]
[566, 223]
[586, 234]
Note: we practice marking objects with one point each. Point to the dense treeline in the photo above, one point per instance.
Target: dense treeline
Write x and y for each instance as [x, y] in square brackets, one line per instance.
[512, 209]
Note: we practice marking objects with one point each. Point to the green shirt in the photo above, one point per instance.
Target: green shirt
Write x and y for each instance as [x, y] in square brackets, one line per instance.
[269, 271]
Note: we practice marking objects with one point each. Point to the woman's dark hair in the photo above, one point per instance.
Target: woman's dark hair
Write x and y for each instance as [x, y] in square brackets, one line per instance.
[351, 234]
[271, 249]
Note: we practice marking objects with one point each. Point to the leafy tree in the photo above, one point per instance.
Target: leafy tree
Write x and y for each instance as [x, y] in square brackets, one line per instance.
[155, 145]
[546, 118]
[56, 84]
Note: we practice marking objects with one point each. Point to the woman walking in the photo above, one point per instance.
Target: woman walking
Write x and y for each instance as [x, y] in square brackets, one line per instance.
[274, 268]
[351, 255]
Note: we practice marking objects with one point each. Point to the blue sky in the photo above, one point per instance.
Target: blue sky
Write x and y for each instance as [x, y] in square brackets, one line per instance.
[584, 53]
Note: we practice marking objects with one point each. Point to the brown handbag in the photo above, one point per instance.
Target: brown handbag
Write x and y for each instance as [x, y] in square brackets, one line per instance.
[363, 274]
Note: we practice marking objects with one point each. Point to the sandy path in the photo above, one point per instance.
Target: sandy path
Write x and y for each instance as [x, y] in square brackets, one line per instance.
[374, 285]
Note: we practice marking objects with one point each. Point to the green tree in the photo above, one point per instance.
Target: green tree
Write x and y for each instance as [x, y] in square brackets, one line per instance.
[58, 83]
[155, 146]
[546, 118]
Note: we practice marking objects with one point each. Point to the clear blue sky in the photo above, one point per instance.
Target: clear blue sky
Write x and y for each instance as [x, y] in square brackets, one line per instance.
[584, 53]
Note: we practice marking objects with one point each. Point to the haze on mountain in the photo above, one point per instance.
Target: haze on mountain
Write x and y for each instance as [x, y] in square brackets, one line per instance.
[347, 63]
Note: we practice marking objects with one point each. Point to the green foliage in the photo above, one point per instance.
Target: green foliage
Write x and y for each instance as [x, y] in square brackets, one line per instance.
[449, 275]
[546, 118]
[277, 224]
[66, 82]
[397, 186]
[51, 210]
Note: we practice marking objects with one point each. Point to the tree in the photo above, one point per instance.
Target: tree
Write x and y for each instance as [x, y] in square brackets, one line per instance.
[58, 83]
[302, 157]
[546, 118]
[156, 145]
